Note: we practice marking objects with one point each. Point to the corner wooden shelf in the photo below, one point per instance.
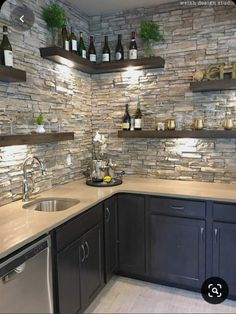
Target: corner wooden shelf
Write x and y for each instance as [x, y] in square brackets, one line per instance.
[179, 134]
[33, 138]
[11, 75]
[215, 85]
[61, 56]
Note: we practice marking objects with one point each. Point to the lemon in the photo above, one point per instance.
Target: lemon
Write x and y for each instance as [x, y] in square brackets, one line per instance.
[107, 179]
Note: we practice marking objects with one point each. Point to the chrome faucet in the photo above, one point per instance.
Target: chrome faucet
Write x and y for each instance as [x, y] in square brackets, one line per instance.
[26, 186]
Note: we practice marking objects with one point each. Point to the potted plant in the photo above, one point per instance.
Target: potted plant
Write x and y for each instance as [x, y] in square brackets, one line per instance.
[40, 126]
[150, 33]
[54, 16]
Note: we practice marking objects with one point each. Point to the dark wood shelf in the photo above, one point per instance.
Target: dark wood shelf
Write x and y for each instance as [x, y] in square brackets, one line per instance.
[216, 85]
[11, 75]
[179, 134]
[34, 138]
[61, 56]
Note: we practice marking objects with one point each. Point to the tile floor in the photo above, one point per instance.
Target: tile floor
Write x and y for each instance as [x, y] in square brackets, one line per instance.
[124, 295]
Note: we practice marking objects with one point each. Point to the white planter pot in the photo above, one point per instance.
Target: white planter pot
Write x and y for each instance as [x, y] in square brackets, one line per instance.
[40, 129]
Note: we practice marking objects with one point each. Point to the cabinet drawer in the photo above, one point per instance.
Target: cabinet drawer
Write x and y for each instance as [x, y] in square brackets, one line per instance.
[224, 212]
[177, 207]
[75, 228]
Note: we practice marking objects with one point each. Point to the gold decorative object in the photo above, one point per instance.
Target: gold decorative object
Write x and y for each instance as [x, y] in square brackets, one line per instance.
[170, 124]
[198, 75]
[228, 124]
[220, 71]
[198, 124]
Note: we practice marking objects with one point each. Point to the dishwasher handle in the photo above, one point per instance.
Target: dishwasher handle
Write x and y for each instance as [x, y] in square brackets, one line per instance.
[15, 265]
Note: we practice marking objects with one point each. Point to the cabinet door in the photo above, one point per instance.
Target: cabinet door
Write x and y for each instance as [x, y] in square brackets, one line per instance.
[69, 278]
[131, 234]
[92, 269]
[224, 253]
[110, 223]
[177, 250]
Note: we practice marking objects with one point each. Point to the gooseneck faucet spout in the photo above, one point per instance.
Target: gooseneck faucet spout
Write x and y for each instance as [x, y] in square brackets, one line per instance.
[27, 189]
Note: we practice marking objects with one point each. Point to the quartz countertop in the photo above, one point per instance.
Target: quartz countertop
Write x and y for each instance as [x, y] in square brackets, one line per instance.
[19, 226]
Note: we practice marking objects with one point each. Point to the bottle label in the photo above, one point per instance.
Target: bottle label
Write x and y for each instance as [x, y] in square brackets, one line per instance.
[74, 45]
[92, 57]
[67, 45]
[133, 54]
[84, 54]
[105, 57]
[118, 55]
[8, 57]
[137, 123]
[125, 125]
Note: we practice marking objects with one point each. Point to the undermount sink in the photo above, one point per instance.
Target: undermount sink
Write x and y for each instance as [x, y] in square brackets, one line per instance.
[51, 204]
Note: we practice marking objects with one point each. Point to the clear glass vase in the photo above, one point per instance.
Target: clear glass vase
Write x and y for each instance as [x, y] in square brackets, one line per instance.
[54, 38]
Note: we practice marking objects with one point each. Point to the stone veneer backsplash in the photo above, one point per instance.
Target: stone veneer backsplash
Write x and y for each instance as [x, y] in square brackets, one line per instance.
[194, 38]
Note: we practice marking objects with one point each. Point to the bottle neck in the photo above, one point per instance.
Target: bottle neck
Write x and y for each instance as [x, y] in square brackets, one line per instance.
[81, 35]
[91, 40]
[133, 36]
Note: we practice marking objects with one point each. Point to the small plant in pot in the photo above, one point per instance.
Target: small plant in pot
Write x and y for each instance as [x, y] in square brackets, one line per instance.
[150, 33]
[40, 124]
[54, 16]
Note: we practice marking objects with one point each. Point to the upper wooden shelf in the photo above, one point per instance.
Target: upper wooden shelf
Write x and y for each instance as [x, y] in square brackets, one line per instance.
[11, 75]
[179, 134]
[61, 56]
[31, 139]
[216, 85]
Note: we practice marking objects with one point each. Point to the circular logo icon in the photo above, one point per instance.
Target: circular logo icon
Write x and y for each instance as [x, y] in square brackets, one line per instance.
[22, 18]
[215, 290]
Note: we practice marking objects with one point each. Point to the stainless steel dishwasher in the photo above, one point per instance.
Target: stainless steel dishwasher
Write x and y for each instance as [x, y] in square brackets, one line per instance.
[26, 280]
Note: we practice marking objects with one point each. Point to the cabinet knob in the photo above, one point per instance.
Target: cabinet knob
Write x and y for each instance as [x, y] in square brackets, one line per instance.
[177, 207]
[216, 233]
[202, 233]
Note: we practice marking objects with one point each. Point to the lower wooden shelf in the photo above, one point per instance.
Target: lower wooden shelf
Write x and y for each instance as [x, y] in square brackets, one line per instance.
[11, 75]
[179, 134]
[31, 139]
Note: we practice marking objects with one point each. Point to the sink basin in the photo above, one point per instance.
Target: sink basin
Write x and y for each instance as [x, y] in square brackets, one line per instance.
[51, 204]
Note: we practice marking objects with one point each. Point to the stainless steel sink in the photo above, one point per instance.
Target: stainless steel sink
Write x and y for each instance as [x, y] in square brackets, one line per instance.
[51, 204]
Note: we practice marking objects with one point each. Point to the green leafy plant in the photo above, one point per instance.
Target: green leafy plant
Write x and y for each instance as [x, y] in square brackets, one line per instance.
[54, 16]
[40, 119]
[150, 31]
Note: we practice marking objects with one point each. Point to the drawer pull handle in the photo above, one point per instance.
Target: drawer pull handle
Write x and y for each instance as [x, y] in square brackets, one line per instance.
[177, 207]
[216, 234]
[83, 250]
[108, 214]
[202, 233]
[87, 246]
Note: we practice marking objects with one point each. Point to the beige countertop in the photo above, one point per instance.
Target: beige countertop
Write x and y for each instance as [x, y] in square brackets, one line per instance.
[20, 226]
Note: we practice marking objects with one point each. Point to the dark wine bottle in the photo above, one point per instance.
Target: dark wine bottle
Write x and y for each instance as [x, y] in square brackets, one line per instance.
[126, 119]
[138, 119]
[133, 50]
[91, 51]
[6, 49]
[81, 46]
[65, 38]
[73, 42]
[106, 53]
[119, 49]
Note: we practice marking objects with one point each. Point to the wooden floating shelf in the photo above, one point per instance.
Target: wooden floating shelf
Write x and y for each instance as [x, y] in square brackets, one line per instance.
[31, 139]
[61, 56]
[179, 134]
[216, 85]
[11, 75]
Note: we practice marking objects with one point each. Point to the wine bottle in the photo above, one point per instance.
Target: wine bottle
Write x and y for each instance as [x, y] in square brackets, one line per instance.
[138, 119]
[73, 42]
[106, 53]
[126, 119]
[81, 46]
[65, 38]
[91, 51]
[119, 49]
[6, 49]
[133, 50]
